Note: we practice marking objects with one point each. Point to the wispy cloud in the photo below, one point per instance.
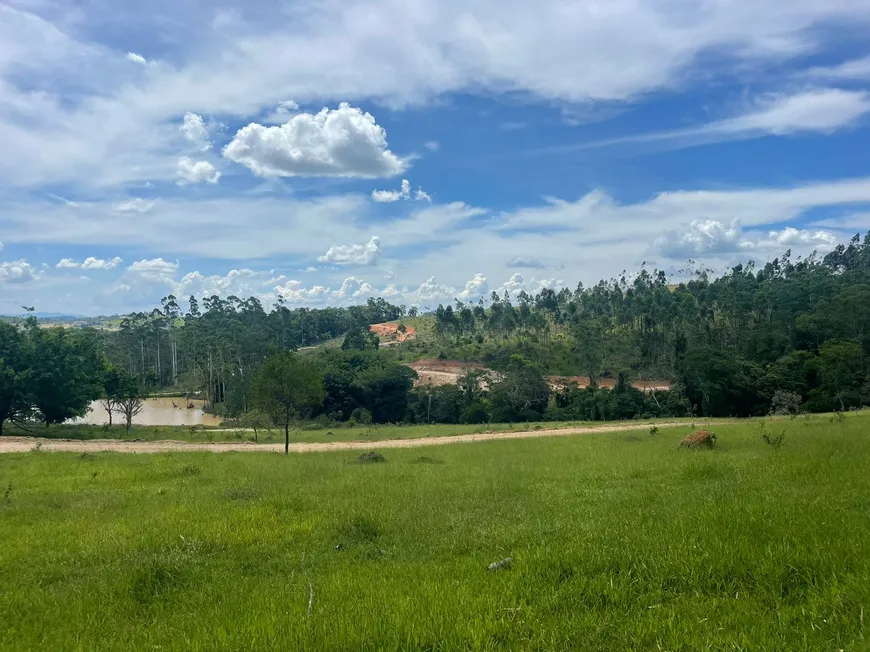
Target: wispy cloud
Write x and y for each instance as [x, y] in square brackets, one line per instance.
[820, 111]
[854, 69]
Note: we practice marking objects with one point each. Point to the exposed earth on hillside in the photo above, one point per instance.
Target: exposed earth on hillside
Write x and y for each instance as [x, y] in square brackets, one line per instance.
[443, 372]
[558, 382]
[437, 372]
[390, 334]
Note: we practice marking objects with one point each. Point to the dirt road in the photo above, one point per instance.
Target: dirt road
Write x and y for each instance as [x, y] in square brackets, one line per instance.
[24, 444]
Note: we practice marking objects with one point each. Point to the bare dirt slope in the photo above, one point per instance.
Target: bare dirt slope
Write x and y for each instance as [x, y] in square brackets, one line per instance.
[25, 444]
[557, 382]
[390, 335]
[437, 372]
[443, 372]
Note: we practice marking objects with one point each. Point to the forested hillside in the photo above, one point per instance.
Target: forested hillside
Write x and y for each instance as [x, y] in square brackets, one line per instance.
[791, 335]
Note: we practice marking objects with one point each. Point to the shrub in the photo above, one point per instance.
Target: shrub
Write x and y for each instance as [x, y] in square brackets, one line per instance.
[775, 441]
[699, 439]
[361, 416]
[785, 402]
[474, 413]
[372, 457]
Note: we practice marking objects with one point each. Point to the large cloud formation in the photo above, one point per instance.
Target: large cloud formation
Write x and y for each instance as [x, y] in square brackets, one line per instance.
[342, 142]
[712, 237]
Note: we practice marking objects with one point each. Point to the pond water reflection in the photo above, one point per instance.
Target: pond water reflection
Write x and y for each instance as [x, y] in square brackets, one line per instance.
[157, 412]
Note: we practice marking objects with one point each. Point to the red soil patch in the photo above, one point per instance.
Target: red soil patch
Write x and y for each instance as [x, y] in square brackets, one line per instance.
[392, 332]
[435, 371]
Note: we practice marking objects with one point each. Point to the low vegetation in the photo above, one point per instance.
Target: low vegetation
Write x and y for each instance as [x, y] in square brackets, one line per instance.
[614, 542]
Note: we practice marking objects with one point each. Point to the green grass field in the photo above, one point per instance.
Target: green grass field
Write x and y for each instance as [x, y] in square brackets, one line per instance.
[619, 541]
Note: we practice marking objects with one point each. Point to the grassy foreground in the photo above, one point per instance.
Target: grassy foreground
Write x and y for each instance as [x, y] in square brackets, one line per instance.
[619, 541]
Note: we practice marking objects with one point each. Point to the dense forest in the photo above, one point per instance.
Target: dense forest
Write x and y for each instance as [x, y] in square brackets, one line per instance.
[792, 335]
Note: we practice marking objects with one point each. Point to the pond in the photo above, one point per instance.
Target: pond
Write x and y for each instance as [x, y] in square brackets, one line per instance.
[160, 411]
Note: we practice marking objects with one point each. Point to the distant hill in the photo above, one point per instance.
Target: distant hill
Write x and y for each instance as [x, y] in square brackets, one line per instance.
[43, 315]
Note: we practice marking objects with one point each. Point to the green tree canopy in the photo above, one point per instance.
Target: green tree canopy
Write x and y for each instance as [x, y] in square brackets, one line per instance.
[522, 392]
[66, 371]
[287, 386]
[14, 376]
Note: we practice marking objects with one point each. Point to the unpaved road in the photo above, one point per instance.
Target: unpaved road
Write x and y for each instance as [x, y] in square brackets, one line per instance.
[24, 444]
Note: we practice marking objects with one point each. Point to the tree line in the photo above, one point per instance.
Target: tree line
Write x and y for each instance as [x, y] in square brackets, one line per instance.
[791, 335]
[727, 344]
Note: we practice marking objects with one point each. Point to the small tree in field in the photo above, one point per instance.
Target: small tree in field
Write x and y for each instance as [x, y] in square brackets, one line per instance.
[256, 421]
[129, 397]
[285, 386]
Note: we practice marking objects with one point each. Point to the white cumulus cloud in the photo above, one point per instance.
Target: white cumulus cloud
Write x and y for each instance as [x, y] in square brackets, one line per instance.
[701, 237]
[155, 269]
[820, 240]
[295, 293]
[388, 196]
[18, 271]
[404, 193]
[136, 58]
[517, 283]
[366, 254]
[194, 130]
[190, 171]
[354, 288]
[239, 282]
[99, 263]
[711, 237]
[89, 263]
[476, 288]
[352, 291]
[342, 142]
[430, 292]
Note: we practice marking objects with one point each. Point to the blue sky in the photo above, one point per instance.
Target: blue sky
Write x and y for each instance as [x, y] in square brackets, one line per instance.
[326, 152]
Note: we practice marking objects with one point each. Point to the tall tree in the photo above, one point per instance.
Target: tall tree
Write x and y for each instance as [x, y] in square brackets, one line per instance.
[66, 372]
[14, 374]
